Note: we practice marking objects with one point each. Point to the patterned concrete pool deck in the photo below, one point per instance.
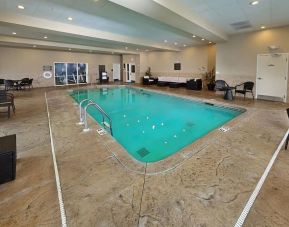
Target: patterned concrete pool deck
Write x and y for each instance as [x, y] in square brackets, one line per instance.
[209, 188]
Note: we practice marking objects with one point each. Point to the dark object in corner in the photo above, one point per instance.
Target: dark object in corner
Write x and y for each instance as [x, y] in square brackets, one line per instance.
[7, 158]
[195, 84]
[211, 87]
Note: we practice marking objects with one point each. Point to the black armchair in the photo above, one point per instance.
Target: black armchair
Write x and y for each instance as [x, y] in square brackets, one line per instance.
[195, 84]
[7, 100]
[244, 88]
[147, 80]
[221, 85]
[287, 139]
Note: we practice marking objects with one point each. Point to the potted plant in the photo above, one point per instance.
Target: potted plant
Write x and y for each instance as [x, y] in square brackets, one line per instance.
[210, 79]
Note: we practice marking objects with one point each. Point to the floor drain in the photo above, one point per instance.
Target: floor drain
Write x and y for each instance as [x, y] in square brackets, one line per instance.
[143, 152]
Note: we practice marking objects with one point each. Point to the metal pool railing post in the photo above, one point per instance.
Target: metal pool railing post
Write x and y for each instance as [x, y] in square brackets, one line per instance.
[81, 120]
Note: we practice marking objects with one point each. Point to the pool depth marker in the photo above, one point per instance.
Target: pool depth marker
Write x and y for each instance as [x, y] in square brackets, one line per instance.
[57, 179]
[258, 187]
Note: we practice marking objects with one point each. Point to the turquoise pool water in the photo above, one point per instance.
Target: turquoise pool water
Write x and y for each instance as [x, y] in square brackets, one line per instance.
[152, 126]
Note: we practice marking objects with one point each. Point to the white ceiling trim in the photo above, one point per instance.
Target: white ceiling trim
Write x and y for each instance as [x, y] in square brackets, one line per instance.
[78, 31]
[49, 44]
[174, 14]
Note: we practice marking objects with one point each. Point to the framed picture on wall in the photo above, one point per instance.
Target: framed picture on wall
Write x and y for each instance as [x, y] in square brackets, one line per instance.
[177, 66]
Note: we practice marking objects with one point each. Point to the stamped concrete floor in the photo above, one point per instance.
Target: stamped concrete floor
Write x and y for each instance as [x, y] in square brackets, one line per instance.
[210, 188]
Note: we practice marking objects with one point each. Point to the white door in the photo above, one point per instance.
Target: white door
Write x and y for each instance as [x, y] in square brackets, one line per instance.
[116, 71]
[271, 78]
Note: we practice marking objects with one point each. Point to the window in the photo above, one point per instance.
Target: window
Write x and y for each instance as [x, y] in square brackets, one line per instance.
[70, 73]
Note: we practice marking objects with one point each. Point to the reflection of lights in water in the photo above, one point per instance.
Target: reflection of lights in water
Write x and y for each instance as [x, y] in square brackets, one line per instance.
[162, 124]
[184, 130]
[124, 115]
[153, 127]
[175, 136]
[127, 124]
[143, 132]
[165, 142]
[148, 117]
[138, 121]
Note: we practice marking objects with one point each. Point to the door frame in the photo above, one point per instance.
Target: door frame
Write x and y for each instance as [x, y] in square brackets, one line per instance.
[286, 75]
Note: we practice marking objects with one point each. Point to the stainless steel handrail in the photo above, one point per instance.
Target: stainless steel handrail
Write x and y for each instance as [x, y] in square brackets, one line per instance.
[103, 113]
[81, 120]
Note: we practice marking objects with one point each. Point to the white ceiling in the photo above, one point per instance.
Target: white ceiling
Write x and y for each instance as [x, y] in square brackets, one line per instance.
[131, 26]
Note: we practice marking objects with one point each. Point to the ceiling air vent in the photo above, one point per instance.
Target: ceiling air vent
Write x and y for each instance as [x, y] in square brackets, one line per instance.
[241, 25]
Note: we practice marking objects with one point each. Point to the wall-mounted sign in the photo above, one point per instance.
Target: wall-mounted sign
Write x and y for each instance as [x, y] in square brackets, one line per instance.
[47, 74]
[47, 68]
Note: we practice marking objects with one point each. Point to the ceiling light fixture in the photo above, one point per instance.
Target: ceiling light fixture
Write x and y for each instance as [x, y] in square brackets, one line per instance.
[194, 36]
[210, 42]
[263, 27]
[254, 3]
[203, 39]
[69, 18]
[165, 41]
[176, 43]
[69, 49]
[34, 46]
[185, 45]
[14, 33]
[20, 7]
[45, 37]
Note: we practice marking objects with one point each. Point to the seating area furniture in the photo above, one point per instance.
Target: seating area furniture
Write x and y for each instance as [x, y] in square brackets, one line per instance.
[167, 80]
[18, 84]
[148, 80]
[221, 85]
[104, 78]
[244, 88]
[7, 158]
[7, 101]
[195, 84]
[2, 84]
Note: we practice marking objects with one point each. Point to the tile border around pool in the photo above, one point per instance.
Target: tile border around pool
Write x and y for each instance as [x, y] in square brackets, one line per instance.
[174, 160]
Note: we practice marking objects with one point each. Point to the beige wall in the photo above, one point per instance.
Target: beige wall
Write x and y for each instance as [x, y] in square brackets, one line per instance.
[211, 57]
[236, 59]
[194, 61]
[16, 63]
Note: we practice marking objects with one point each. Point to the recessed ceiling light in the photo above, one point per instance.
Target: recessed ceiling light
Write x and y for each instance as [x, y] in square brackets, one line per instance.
[210, 42]
[34, 46]
[14, 33]
[203, 39]
[20, 7]
[165, 41]
[69, 49]
[176, 43]
[45, 37]
[263, 27]
[254, 3]
[194, 36]
[69, 18]
[185, 45]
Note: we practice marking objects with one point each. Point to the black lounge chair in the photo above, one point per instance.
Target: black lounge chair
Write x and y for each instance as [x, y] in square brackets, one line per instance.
[221, 85]
[9, 85]
[7, 100]
[245, 87]
[24, 83]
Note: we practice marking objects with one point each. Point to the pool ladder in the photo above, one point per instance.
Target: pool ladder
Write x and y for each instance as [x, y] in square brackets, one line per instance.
[83, 115]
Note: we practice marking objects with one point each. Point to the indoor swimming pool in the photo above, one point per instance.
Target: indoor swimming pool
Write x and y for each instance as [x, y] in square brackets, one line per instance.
[152, 126]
